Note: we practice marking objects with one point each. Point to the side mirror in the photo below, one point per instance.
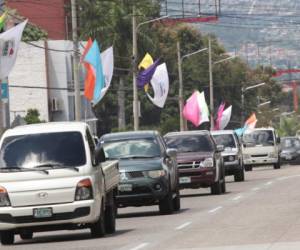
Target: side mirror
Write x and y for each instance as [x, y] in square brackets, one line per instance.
[99, 155]
[278, 140]
[220, 148]
[171, 152]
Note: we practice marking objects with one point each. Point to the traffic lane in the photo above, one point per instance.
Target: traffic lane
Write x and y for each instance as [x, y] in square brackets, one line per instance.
[267, 218]
[142, 225]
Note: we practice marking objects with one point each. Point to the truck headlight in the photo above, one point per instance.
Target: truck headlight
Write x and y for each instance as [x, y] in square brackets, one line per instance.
[156, 173]
[273, 155]
[84, 190]
[207, 163]
[246, 157]
[4, 199]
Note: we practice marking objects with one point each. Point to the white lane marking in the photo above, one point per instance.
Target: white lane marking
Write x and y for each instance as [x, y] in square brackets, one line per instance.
[140, 246]
[237, 198]
[252, 7]
[215, 209]
[183, 225]
[255, 189]
[269, 183]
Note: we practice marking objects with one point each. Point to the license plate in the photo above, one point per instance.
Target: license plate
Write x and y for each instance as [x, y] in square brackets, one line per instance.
[125, 187]
[42, 212]
[183, 180]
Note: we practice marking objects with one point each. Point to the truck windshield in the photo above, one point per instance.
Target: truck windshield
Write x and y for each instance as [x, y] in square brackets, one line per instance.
[190, 143]
[227, 140]
[32, 151]
[259, 137]
[132, 148]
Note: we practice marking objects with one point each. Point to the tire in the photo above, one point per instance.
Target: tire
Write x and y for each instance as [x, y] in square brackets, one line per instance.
[110, 218]
[166, 204]
[176, 201]
[277, 165]
[248, 168]
[98, 228]
[7, 237]
[27, 235]
[240, 176]
[223, 183]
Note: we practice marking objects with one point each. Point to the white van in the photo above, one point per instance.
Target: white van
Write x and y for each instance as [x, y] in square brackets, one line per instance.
[261, 146]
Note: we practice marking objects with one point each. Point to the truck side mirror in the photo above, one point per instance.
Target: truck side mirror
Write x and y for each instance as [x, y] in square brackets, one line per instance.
[278, 140]
[171, 152]
[220, 148]
[99, 155]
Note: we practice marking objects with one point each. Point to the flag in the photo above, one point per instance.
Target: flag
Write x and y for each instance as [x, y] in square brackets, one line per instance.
[146, 62]
[249, 124]
[160, 85]
[2, 20]
[9, 45]
[196, 110]
[145, 76]
[225, 119]
[89, 82]
[107, 58]
[97, 81]
[219, 116]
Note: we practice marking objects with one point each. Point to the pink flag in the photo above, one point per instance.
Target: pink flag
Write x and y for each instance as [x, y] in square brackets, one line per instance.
[191, 111]
[219, 116]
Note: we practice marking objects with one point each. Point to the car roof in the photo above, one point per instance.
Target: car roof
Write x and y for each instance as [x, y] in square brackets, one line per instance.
[223, 132]
[129, 135]
[49, 127]
[192, 132]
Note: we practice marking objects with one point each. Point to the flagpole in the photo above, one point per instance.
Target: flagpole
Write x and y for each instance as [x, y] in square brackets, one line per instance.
[76, 62]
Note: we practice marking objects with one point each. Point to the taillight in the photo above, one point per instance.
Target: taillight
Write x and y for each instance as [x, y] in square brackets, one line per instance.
[4, 199]
[84, 190]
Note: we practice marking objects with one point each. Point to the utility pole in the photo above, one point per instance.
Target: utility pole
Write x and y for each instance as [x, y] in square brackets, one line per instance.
[134, 71]
[76, 61]
[121, 104]
[180, 93]
[211, 86]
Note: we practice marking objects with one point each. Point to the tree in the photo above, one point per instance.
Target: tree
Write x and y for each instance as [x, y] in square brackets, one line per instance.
[32, 116]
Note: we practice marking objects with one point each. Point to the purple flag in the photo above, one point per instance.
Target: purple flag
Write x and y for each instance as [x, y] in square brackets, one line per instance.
[146, 75]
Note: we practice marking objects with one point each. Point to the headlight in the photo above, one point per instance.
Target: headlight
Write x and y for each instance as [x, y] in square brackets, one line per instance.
[273, 155]
[156, 173]
[4, 200]
[84, 190]
[207, 163]
[246, 157]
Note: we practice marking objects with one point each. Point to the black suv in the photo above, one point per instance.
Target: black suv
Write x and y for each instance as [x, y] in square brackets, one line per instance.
[148, 170]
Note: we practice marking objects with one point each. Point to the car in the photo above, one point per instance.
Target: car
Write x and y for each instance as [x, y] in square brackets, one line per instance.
[199, 159]
[53, 178]
[290, 149]
[148, 169]
[232, 154]
[261, 147]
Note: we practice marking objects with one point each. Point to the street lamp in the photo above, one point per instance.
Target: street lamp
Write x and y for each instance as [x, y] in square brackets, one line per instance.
[243, 96]
[180, 97]
[263, 104]
[135, 28]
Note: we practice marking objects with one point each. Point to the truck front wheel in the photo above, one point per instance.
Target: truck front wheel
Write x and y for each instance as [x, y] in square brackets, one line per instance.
[7, 237]
[110, 217]
[166, 204]
[98, 228]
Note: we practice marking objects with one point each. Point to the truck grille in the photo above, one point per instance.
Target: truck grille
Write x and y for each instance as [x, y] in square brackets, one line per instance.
[265, 155]
[136, 174]
[187, 165]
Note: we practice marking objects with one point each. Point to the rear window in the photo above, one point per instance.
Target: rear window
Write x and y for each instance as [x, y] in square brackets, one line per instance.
[28, 151]
[227, 140]
[190, 143]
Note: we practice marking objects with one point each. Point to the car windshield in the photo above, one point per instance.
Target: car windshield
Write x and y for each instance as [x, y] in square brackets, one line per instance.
[42, 150]
[259, 137]
[132, 148]
[227, 140]
[290, 143]
[190, 143]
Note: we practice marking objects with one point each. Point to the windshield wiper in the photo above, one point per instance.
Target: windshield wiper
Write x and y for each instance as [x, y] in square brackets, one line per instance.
[21, 169]
[56, 166]
[139, 157]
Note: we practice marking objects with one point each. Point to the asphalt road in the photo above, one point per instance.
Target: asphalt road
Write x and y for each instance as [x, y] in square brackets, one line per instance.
[261, 213]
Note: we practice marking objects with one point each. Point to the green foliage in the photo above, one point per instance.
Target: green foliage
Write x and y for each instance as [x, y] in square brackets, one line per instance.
[289, 126]
[32, 116]
[33, 33]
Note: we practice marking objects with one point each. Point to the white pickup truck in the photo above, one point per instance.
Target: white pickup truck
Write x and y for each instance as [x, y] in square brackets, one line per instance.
[53, 178]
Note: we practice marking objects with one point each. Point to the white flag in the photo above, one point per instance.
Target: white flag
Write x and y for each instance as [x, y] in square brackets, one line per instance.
[107, 58]
[160, 85]
[204, 113]
[225, 117]
[9, 45]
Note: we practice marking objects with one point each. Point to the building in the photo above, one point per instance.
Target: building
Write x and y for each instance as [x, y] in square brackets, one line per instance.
[52, 16]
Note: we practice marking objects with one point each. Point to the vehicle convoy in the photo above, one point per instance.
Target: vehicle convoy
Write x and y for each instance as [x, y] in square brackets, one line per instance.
[53, 178]
[232, 154]
[148, 169]
[199, 160]
[261, 147]
[290, 149]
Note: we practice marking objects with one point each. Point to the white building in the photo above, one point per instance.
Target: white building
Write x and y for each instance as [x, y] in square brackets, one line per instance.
[42, 79]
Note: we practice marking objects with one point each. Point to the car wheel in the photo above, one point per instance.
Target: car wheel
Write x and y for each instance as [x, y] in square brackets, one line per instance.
[176, 201]
[277, 165]
[166, 204]
[26, 235]
[98, 228]
[110, 217]
[248, 168]
[240, 176]
[7, 237]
